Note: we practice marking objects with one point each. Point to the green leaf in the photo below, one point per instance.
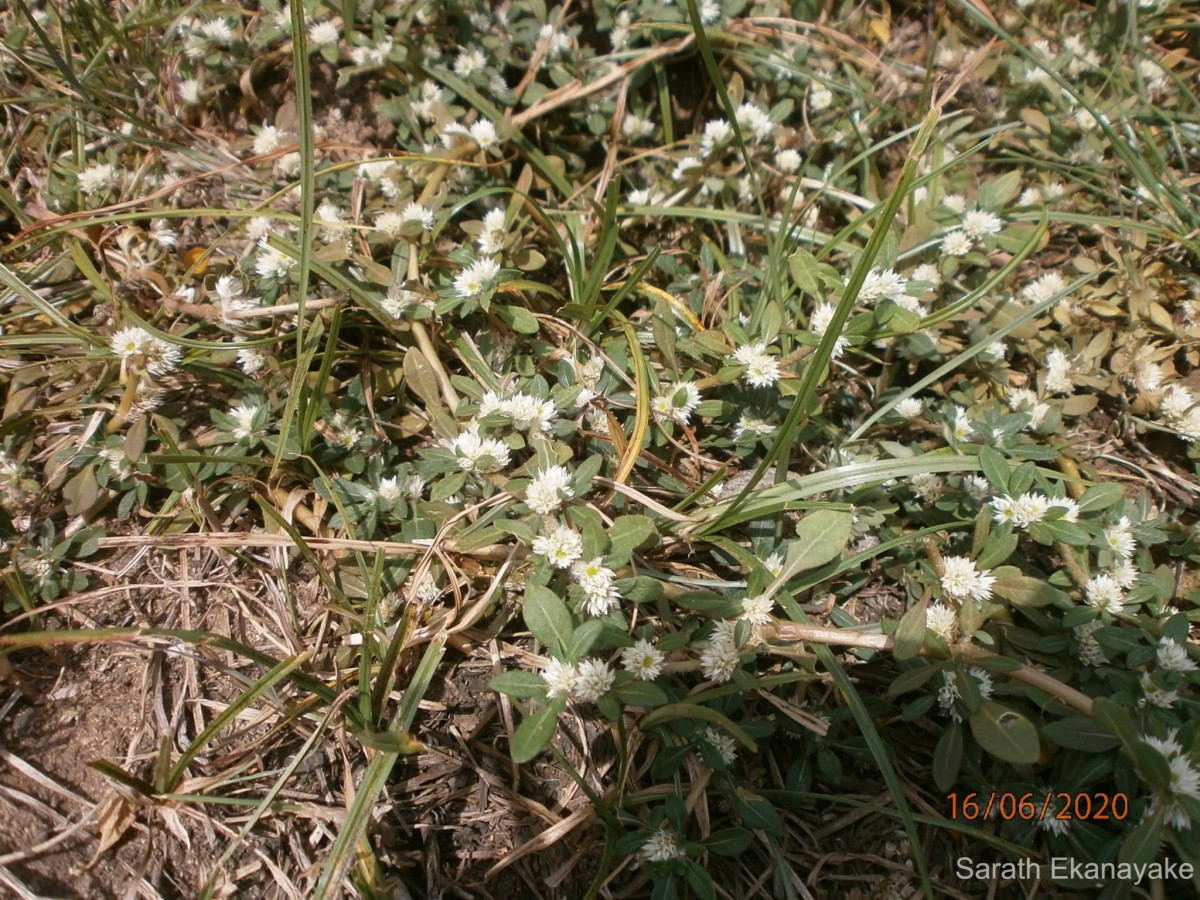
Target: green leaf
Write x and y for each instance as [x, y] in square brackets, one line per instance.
[1153, 766]
[910, 633]
[728, 841]
[642, 694]
[548, 618]
[1110, 716]
[1026, 591]
[628, 533]
[1005, 733]
[911, 680]
[582, 639]
[996, 550]
[520, 684]
[756, 811]
[704, 714]
[1101, 496]
[804, 268]
[1140, 846]
[995, 468]
[1079, 733]
[820, 537]
[947, 757]
[534, 733]
[519, 319]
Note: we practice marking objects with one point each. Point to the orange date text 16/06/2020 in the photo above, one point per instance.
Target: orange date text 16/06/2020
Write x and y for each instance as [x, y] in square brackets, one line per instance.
[1034, 807]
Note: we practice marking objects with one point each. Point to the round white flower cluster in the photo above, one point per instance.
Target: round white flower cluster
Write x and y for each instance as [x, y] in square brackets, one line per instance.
[583, 682]
[1032, 507]
[549, 489]
[962, 580]
[597, 581]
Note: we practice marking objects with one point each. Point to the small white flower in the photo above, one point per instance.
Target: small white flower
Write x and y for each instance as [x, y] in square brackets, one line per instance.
[324, 34]
[943, 621]
[949, 692]
[1058, 373]
[468, 62]
[1043, 287]
[642, 660]
[96, 179]
[753, 118]
[548, 490]
[418, 214]
[1174, 657]
[562, 546]
[528, 412]
[881, 283]
[473, 281]
[751, 426]
[819, 323]
[1104, 593]
[678, 402]
[721, 657]
[1119, 539]
[1124, 573]
[956, 243]
[717, 133]
[188, 91]
[270, 262]
[962, 580]
[217, 31]
[725, 745]
[819, 98]
[979, 223]
[243, 416]
[662, 846]
[1090, 651]
[560, 678]
[593, 679]
[479, 454]
[762, 369]
[788, 161]
[927, 486]
[491, 238]
[961, 426]
[1026, 401]
[635, 127]
[757, 610]
[483, 133]
[910, 408]
[1153, 695]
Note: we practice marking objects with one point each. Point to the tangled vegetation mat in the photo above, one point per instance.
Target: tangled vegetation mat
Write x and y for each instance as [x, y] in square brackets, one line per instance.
[630, 449]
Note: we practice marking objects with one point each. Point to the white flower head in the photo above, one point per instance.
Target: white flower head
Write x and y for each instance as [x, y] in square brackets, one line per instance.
[762, 369]
[563, 546]
[324, 34]
[962, 580]
[593, 679]
[662, 846]
[548, 490]
[678, 402]
[560, 678]
[979, 223]
[643, 660]
[910, 408]
[818, 324]
[1173, 657]
[943, 621]
[1104, 593]
[477, 278]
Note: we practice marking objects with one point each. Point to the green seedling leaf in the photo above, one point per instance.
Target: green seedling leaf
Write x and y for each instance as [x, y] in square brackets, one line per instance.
[910, 633]
[728, 841]
[1101, 496]
[1079, 733]
[947, 757]
[582, 639]
[995, 468]
[704, 714]
[820, 537]
[520, 684]
[1005, 733]
[1026, 591]
[642, 694]
[534, 733]
[629, 533]
[1140, 846]
[548, 618]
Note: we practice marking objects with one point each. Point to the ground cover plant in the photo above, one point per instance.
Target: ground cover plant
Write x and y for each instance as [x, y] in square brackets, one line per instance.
[615, 449]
